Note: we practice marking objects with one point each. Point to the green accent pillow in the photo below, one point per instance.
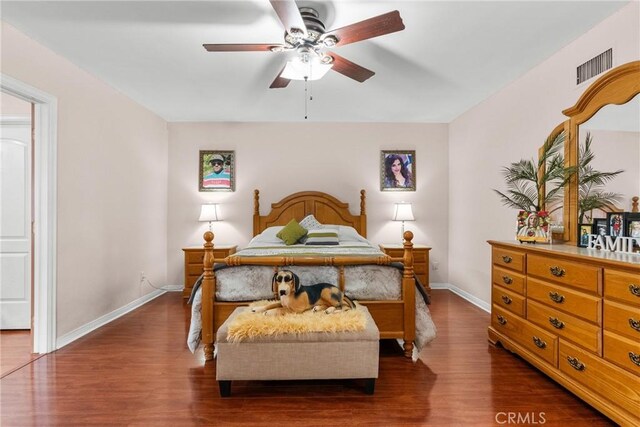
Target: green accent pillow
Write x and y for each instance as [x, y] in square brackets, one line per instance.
[292, 232]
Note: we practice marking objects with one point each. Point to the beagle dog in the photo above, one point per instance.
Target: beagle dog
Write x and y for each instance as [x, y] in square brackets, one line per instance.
[297, 298]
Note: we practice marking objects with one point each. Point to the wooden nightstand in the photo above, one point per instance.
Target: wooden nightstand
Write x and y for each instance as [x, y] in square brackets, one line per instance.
[193, 263]
[420, 260]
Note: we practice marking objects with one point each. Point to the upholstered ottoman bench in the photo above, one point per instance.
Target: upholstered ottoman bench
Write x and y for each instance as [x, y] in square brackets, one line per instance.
[301, 356]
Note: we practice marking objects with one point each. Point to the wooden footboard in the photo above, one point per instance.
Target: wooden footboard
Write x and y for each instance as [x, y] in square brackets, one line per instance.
[395, 319]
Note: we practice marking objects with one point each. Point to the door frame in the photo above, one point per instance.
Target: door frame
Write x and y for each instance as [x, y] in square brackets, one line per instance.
[44, 209]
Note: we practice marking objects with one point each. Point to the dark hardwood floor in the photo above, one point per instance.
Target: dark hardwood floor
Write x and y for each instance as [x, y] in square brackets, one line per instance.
[16, 350]
[138, 371]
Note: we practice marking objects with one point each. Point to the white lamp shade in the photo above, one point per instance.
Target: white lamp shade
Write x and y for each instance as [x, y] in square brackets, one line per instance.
[403, 212]
[209, 213]
[298, 70]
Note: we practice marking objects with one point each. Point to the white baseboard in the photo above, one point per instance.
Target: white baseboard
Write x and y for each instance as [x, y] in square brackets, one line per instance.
[68, 338]
[463, 294]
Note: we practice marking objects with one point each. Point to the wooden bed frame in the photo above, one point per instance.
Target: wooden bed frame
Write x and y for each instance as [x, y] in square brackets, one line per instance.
[394, 318]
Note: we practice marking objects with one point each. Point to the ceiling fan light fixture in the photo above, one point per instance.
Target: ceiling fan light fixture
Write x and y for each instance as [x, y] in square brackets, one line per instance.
[330, 41]
[296, 33]
[299, 69]
[327, 59]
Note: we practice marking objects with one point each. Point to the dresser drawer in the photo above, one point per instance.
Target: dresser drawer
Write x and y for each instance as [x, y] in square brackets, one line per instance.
[537, 341]
[508, 300]
[190, 280]
[622, 351]
[601, 377]
[577, 303]
[509, 259]
[194, 257]
[585, 277]
[578, 331]
[623, 319]
[622, 286]
[194, 269]
[509, 279]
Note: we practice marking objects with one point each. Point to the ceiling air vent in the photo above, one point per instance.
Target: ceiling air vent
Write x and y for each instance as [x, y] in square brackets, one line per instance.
[595, 66]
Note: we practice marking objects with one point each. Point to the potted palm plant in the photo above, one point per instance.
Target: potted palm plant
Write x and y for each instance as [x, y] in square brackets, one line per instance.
[591, 183]
[534, 186]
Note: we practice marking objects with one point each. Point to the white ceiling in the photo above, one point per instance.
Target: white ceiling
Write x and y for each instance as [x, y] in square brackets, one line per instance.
[451, 56]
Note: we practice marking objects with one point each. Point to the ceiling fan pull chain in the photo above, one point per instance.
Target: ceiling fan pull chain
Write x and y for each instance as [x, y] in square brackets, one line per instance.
[311, 82]
[305, 97]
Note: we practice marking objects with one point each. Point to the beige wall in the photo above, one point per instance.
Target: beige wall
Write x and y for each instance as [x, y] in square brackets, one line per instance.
[10, 106]
[112, 185]
[283, 158]
[509, 126]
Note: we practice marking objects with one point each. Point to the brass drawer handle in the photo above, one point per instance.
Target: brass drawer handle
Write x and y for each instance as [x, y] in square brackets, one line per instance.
[556, 297]
[557, 271]
[506, 299]
[539, 343]
[502, 320]
[507, 259]
[507, 280]
[575, 363]
[635, 324]
[635, 358]
[556, 323]
[634, 289]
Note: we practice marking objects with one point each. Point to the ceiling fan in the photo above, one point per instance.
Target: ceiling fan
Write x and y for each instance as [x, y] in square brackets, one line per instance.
[306, 35]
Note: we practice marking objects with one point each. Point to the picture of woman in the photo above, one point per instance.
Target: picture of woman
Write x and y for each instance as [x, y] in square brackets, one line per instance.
[398, 171]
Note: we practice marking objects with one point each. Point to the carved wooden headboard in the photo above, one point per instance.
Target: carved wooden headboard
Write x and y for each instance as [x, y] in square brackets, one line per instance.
[326, 208]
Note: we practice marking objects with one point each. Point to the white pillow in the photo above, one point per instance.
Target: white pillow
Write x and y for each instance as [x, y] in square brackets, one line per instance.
[268, 236]
[310, 223]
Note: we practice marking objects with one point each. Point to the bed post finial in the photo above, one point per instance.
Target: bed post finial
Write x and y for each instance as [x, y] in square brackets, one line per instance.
[208, 292]
[408, 294]
[256, 202]
[362, 202]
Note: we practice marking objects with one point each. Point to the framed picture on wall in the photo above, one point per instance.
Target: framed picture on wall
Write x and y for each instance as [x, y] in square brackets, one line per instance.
[217, 171]
[398, 170]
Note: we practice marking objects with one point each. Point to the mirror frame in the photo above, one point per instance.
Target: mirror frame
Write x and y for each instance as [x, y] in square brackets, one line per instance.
[618, 86]
[562, 127]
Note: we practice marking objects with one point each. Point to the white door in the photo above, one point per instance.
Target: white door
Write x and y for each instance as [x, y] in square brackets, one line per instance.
[15, 226]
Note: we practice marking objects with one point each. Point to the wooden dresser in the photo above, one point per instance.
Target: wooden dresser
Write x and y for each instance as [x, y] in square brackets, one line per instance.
[574, 314]
[420, 260]
[193, 263]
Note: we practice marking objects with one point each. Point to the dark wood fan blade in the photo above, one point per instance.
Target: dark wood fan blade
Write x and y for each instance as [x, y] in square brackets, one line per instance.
[350, 69]
[289, 15]
[240, 47]
[369, 28]
[279, 82]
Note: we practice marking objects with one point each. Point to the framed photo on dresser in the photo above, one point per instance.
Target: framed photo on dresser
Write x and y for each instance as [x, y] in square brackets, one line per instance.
[583, 234]
[632, 224]
[600, 226]
[616, 224]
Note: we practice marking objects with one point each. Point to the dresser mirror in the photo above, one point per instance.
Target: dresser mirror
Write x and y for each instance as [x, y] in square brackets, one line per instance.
[614, 133]
[609, 110]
